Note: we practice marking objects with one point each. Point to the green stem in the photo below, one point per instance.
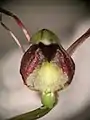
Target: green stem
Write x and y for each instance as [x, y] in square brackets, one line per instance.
[33, 115]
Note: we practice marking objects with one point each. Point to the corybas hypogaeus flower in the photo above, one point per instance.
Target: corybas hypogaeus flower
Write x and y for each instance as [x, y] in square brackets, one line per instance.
[45, 67]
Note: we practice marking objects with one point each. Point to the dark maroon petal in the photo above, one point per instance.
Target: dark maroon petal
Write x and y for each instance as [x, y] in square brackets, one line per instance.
[64, 60]
[32, 57]
[38, 53]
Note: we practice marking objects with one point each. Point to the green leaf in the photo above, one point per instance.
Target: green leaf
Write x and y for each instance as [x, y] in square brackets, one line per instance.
[32, 115]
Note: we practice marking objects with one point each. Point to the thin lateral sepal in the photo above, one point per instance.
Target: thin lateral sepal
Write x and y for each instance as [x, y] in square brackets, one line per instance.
[13, 36]
[78, 42]
[18, 21]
